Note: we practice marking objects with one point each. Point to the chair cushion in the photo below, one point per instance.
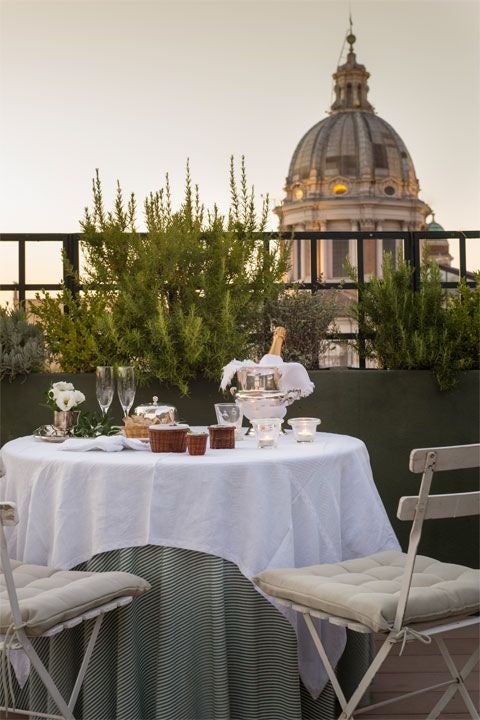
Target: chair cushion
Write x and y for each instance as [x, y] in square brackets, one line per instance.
[367, 590]
[48, 597]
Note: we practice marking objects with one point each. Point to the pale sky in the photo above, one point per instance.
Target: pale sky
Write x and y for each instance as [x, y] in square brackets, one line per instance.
[134, 88]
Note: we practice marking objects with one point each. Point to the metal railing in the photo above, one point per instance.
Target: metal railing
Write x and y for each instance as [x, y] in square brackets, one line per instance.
[70, 247]
[410, 240]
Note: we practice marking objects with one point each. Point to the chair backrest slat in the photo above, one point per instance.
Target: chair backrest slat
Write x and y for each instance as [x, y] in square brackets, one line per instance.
[441, 506]
[427, 461]
[456, 457]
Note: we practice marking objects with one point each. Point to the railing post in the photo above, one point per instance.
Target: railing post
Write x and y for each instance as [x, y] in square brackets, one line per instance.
[313, 265]
[21, 272]
[462, 256]
[416, 261]
[71, 263]
[411, 251]
[360, 281]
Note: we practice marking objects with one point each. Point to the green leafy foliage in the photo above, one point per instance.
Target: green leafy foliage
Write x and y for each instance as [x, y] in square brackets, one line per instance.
[22, 348]
[464, 324]
[307, 318]
[80, 339]
[419, 330]
[93, 424]
[179, 301]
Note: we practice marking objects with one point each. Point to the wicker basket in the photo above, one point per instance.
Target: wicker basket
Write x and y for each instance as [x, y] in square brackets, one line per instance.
[222, 436]
[168, 439]
[197, 443]
[136, 427]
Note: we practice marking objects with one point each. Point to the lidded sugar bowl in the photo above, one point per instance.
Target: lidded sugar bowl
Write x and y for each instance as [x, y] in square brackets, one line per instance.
[161, 412]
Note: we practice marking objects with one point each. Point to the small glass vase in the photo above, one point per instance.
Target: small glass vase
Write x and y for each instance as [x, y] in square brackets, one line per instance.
[65, 420]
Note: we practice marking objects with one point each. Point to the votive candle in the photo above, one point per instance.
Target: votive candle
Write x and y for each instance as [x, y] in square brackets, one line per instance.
[304, 428]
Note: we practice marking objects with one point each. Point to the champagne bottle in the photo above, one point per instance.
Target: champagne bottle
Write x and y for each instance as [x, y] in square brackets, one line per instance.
[278, 339]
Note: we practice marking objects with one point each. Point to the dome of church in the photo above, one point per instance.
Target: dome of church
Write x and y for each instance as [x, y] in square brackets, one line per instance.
[354, 144]
[350, 172]
[438, 248]
[353, 150]
[434, 226]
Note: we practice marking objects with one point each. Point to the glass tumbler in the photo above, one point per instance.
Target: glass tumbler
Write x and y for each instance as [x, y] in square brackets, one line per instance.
[230, 414]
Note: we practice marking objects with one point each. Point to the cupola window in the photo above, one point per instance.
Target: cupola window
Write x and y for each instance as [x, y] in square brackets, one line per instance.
[339, 188]
[380, 156]
[298, 193]
[349, 95]
[389, 190]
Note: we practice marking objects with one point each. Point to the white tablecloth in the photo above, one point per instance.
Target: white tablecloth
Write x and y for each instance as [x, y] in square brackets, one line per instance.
[290, 506]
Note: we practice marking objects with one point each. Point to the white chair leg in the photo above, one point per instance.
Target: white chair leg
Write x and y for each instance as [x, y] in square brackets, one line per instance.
[45, 676]
[326, 662]
[460, 676]
[362, 688]
[30, 713]
[349, 707]
[86, 659]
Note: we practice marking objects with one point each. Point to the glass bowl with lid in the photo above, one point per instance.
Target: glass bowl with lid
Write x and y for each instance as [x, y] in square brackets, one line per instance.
[160, 412]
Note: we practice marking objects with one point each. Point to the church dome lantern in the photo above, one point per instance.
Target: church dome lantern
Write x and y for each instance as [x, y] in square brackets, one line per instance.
[355, 143]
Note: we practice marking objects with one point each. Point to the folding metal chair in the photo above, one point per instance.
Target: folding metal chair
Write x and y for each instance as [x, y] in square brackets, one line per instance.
[38, 601]
[403, 596]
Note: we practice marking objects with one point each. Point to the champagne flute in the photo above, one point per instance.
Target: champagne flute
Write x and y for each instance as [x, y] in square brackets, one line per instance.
[126, 388]
[105, 387]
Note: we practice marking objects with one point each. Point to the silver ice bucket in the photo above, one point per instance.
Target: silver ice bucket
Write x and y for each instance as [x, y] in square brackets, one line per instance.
[258, 378]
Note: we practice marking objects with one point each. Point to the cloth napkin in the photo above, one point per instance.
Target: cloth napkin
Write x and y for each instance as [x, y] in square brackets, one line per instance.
[112, 443]
[293, 376]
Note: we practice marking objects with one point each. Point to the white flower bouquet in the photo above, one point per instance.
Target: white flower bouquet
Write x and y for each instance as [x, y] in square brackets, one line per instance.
[63, 396]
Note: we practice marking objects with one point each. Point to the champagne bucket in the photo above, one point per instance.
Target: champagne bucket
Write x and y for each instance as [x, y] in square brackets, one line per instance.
[258, 378]
[258, 404]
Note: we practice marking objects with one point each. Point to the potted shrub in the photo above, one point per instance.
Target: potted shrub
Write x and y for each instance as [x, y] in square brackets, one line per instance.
[179, 301]
[426, 329]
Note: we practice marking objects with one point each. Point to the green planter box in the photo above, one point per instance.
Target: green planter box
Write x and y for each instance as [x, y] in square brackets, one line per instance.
[392, 411]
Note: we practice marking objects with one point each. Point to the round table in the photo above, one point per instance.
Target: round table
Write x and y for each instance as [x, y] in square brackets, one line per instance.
[245, 509]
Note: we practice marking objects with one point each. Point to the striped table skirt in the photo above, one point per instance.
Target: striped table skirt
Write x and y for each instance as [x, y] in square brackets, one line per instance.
[201, 645]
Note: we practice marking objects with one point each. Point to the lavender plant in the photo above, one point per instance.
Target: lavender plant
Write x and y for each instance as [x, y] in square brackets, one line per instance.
[22, 347]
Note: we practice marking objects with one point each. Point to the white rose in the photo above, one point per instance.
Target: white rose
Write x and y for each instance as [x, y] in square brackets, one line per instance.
[65, 399]
[60, 387]
[79, 397]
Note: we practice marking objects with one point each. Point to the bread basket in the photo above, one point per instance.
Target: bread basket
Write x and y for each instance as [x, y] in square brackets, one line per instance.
[137, 427]
[168, 438]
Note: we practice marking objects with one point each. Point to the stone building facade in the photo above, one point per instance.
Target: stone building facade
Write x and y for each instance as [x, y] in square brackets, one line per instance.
[350, 171]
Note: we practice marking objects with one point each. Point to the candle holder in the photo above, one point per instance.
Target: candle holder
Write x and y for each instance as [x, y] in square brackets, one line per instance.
[304, 428]
[267, 431]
